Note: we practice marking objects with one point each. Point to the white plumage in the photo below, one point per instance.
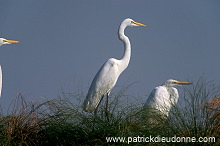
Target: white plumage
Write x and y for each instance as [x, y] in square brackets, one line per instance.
[3, 41]
[164, 97]
[108, 74]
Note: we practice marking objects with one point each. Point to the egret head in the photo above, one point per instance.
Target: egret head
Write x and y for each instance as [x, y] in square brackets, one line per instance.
[174, 83]
[130, 22]
[4, 41]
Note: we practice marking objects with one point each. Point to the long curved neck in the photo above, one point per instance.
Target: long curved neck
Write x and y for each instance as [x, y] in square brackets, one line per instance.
[127, 47]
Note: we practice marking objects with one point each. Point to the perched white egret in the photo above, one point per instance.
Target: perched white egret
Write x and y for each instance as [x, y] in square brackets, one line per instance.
[4, 42]
[164, 97]
[108, 74]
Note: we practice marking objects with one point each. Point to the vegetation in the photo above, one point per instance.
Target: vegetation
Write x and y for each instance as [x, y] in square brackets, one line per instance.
[62, 122]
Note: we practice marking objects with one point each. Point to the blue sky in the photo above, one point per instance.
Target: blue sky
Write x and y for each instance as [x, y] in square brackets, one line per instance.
[64, 43]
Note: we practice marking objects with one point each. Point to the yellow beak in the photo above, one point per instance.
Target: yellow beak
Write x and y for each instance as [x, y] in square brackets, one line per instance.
[139, 24]
[11, 41]
[182, 83]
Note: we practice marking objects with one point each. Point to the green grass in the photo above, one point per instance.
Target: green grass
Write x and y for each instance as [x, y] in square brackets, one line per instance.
[62, 122]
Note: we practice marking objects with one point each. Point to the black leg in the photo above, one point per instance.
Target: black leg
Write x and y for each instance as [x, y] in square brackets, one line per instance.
[96, 110]
[106, 108]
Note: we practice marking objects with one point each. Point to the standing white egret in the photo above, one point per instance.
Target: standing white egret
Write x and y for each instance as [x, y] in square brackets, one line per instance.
[108, 74]
[4, 42]
[164, 97]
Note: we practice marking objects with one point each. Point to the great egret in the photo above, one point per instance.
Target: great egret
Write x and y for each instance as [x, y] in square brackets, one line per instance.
[4, 42]
[164, 97]
[108, 74]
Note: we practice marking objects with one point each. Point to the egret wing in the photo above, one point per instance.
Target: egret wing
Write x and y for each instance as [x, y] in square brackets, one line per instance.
[157, 99]
[103, 82]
